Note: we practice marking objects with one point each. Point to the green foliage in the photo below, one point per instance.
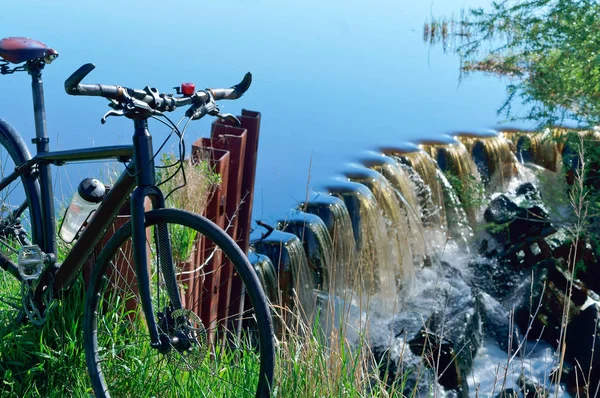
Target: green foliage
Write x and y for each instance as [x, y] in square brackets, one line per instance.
[190, 193]
[469, 189]
[549, 48]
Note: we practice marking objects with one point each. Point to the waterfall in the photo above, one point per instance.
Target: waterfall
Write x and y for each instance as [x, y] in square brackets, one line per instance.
[317, 243]
[376, 280]
[537, 148]
[459, 229]
[493, 157]
[408, 201]
[396, 222]
[334, 214]
[405, 216]
[266, 275]
[294, 280]
[423, 173]
[454, 159]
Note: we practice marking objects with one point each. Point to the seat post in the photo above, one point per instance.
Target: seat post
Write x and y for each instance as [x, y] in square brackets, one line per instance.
[42, 145]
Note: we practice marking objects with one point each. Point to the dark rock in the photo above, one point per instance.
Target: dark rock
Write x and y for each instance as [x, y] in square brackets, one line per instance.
[531, 389]
[496, 278]
[501, 210]
[539, 315]
[483, 247]
[582, 338]
[449, 341]
[397, 364]
[496, 323]
[508, 393]
[510, 223]
[588, 270]
[526, 253]
[529, 192]
[438, 354]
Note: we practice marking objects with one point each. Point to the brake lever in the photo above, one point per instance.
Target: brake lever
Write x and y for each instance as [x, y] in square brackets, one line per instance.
[111, 113]
[115, 104]
[230, 118]
[198, 112]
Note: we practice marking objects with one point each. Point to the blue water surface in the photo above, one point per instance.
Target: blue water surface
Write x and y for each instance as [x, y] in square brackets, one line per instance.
[332, 78]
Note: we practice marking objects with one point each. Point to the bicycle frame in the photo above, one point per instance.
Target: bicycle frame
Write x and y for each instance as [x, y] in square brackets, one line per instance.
[139, 184]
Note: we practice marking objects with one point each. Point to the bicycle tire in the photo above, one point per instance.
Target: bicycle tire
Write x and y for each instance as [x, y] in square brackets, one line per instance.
[23, 191]
[112, 319]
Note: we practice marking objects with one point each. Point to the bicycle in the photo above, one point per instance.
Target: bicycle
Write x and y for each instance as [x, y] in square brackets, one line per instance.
[136, 308]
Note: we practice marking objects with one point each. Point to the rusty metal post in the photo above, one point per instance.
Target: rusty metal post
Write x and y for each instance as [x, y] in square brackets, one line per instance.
[232, 139]
[251, 122]
[208, 279]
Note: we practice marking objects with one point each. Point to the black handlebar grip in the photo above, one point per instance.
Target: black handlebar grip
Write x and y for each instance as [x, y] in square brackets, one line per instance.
[234, 92]
[243, 86]
[72, 82]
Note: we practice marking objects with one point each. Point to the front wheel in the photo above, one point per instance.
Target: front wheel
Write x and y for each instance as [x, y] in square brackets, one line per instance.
[220, 343]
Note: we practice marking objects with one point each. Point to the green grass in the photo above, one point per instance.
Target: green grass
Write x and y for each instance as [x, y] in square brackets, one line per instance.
[50, 361]
[47, 360]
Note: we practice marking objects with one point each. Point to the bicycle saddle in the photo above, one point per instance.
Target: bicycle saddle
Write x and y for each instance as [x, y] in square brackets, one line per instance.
[22, 49]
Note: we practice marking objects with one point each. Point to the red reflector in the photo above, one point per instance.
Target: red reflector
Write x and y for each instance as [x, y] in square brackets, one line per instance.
[188, 88]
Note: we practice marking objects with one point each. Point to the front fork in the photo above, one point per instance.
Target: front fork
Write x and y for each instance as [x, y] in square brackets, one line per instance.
[165, 267]
[144, 169]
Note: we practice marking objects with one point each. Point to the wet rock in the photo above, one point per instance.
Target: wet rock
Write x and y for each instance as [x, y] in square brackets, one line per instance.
[531, 389]
[442, 317]
[496, 278]
[449, 341]
[508, 393]
[529, 192]
[539, 315]
[525, 254]
[496, 323]
[588, 269]
[397, 364]
[438, 354]
[582, 338]
[510, 220]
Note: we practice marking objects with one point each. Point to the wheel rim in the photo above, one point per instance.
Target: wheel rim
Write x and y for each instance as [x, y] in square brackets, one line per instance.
[11, 199]
[212, 352]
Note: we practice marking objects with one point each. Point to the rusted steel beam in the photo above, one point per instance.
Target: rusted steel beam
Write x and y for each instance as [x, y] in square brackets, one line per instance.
[251, 122]
[232, 139]
[208, 279]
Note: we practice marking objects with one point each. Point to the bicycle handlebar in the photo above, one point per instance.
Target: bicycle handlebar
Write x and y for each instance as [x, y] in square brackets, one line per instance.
[157, 101]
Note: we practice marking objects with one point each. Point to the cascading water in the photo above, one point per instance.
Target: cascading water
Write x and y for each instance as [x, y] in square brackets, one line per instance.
[318, 245]
[336, 218]
[460, 229]
[423, 173]
[407, 200]
[541, 149]
[493, 157]
[461, 300]
[454, 159]
[541, 154]
[376, 283]
[266, 274]
[396, 221]
[295, 282]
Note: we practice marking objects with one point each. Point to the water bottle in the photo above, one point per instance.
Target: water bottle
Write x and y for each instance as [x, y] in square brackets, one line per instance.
[87, 199]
